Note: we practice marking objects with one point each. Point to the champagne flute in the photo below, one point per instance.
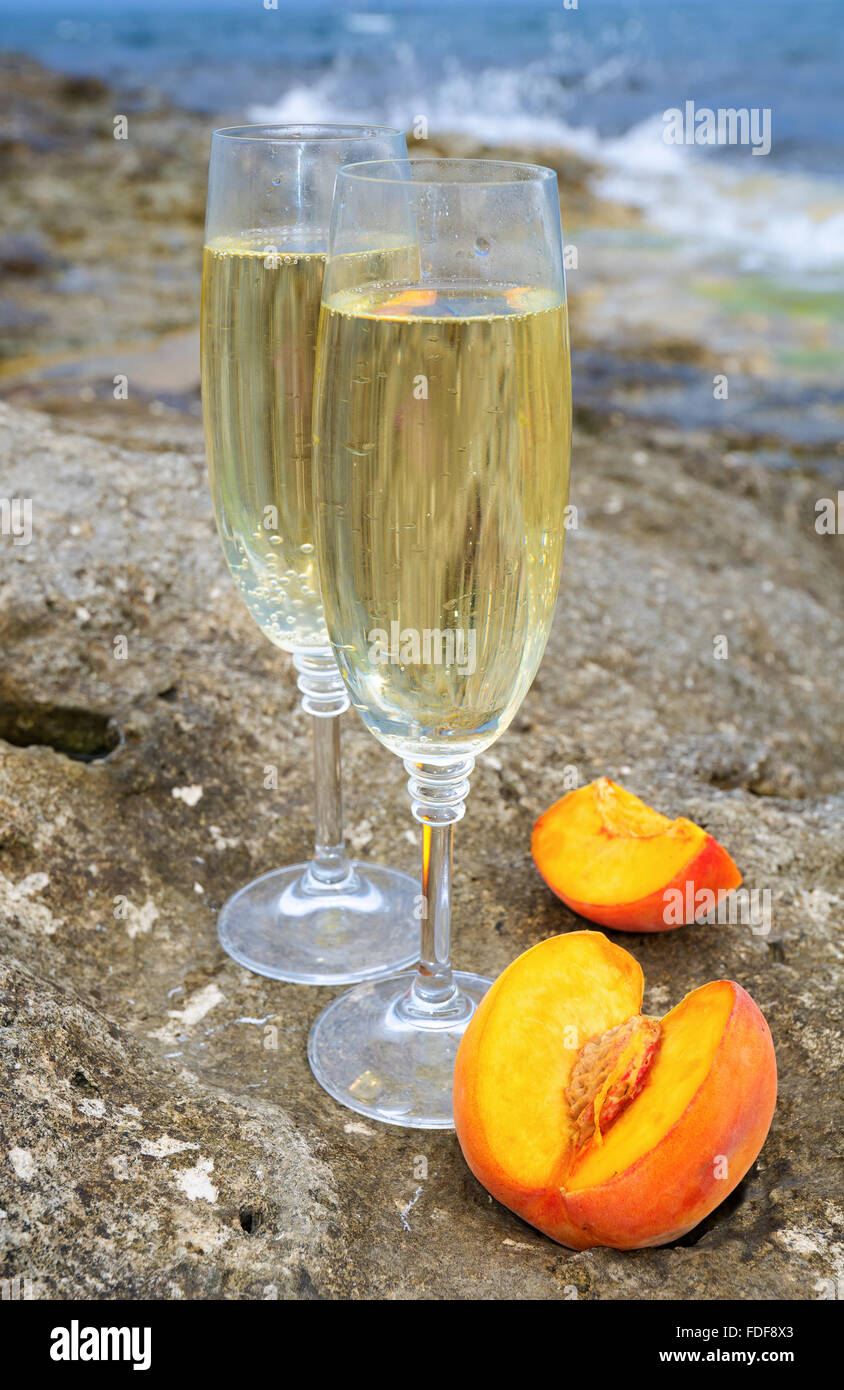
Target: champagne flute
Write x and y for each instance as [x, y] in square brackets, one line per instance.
[330, 921]
[442, 424]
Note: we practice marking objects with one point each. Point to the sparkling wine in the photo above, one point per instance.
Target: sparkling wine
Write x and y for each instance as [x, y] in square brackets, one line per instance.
[442, 437]
[260, 311]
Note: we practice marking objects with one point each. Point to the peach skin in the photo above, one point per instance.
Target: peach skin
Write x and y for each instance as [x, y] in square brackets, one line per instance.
[600, 1125]
[617, 862]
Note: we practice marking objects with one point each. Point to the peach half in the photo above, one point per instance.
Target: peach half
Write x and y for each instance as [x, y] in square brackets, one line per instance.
[617, 862]
[597, 1124]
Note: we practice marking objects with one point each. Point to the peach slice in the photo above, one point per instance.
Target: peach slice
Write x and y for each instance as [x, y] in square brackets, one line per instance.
[617, 862]
[596, 1124]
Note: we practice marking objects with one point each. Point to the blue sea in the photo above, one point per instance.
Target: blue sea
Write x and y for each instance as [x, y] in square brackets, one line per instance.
[595, 75]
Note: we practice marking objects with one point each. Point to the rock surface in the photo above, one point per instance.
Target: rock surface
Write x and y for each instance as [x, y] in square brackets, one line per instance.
[162, 1134]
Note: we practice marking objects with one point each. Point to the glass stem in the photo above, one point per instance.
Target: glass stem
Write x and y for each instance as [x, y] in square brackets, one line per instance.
[438, 801]
[324, 697]
[434, 980]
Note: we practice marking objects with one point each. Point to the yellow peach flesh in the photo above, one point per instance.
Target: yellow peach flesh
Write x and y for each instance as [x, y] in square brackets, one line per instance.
[690, 1036]
[531, 1051]
[614, 847]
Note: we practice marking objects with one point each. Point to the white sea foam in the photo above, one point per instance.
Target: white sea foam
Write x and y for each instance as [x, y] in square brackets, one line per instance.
[766, 220]
[718, 201]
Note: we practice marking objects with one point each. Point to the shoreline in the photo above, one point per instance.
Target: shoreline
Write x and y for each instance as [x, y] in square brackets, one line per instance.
[100, 242]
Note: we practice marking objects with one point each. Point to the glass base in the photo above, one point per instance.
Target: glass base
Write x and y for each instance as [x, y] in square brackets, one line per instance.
[370, 1052]
[289, 926]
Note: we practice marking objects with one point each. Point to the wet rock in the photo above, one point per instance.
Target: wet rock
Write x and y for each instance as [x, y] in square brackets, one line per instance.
[25, 255]
[108, 211]
[82, 89]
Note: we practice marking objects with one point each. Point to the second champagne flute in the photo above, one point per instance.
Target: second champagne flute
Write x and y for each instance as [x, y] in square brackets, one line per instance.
[330, 921]
[441, 433]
